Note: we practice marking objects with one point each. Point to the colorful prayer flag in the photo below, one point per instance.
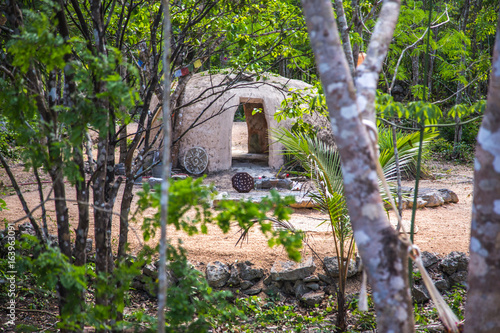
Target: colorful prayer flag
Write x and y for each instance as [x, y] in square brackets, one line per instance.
[184, 71]
[197, 64]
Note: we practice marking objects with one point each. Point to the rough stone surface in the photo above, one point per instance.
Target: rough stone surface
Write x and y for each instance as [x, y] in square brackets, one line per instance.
[420, 294]
[442, 285]
[429, 259]
[458, 278]
[217, 274]
[234, 277]
[247, 272]
[448, 195]
[291, 271]
[326, 279]
[433, 199]
[268, 183]
[272, 289]
[300, 289]
[312, 286]
[331, 265]
[245, 284]
[455, 261]
[312, 278]
[312, 298]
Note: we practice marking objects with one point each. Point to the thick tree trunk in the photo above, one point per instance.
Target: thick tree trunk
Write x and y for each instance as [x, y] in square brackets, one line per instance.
[384, 255]
[483, 299]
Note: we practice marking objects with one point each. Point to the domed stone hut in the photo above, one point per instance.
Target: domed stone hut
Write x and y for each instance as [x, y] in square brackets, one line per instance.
[209, 106]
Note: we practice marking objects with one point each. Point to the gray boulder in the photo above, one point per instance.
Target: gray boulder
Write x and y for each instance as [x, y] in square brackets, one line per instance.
[448, 195]
[217, 274]
[249, 273]
[429, 259]
[433, 199]
[291, 271]
[245, 284]
[300, 289]
[332, 267]
[234, 277]
[442, 285]
[459, 277]
[454, 262]
[420, 294]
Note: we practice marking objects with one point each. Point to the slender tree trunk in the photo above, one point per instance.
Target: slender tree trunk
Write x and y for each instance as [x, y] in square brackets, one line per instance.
[483, 299]
[167, 137]
[384, 255]
[344, 34]
[460, 86]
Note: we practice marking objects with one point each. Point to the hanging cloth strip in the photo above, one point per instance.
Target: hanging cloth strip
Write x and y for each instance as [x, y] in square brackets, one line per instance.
[447, 316]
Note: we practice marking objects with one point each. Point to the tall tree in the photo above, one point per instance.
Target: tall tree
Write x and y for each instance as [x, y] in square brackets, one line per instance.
[382, 252]
[483, 298]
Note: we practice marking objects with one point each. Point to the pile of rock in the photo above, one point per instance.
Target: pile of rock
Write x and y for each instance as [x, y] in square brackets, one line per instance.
[306, 282]
[445, 272]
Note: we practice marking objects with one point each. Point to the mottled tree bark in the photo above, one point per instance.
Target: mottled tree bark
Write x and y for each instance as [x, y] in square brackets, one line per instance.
[483, 299]
[383, 254]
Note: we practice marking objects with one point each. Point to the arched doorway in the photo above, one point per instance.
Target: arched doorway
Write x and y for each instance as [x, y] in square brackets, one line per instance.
[257, 136]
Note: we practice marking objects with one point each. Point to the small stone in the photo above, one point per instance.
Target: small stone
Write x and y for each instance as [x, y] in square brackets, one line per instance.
[255, 289]
[448, 195]
[459, 278]
[300, 289]
[245, 284]
[313, 298]
[420, 294]
[234, 277]
[442, 285]
[312, 286]
[429, 259]
[312, 278]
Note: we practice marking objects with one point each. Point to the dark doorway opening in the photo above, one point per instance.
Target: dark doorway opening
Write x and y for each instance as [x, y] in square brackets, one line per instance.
[257, 134]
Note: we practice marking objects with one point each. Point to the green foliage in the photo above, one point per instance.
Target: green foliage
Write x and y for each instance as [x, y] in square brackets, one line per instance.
[424, 113]
[456, 301]
[192, 305]
[364, 320]
[264, 314]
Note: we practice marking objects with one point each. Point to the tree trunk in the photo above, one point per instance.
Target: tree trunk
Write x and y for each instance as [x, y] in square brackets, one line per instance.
[384, 255]
[344, 34]
[460, 86]
[483, 298]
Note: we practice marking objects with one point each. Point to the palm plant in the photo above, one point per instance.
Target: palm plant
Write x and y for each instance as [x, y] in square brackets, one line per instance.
[321, 163]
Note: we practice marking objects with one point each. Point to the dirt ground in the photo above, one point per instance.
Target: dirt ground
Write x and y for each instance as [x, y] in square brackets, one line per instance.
[440, 230]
